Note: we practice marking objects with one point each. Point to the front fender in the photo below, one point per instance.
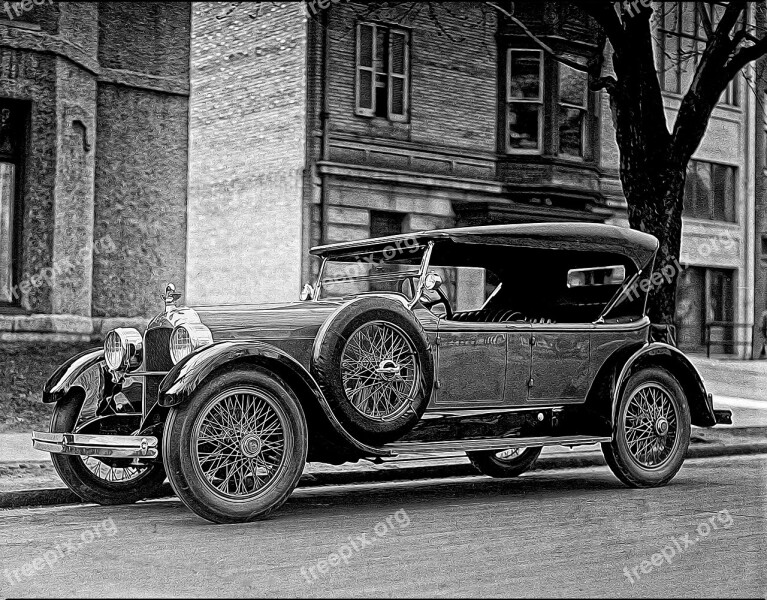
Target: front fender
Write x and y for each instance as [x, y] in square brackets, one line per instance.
[673, 360]
[190, 373]
[64, 377]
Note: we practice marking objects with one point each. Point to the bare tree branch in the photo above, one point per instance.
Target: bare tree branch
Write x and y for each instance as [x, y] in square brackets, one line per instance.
[745, 56]
[706, 21]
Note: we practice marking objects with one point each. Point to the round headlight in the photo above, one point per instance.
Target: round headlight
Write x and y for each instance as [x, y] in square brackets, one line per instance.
[187, 338]
[123, 349]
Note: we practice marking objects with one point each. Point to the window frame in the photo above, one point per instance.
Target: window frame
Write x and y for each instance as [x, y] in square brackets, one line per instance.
[692, 188]
[584, 109]
[386, 72]
[513, 100]
[17, 158]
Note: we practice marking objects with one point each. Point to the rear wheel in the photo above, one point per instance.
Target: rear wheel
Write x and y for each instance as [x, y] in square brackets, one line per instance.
[506, 463]
[236, 450]
[652, 430]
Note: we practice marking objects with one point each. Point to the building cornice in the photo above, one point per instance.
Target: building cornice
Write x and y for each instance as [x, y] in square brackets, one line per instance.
[35, 41]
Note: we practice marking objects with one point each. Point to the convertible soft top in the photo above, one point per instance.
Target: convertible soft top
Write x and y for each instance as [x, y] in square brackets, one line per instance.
[639, 247]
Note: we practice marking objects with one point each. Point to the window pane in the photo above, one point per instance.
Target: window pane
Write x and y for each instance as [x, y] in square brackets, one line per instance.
[397, 96]
[724, 192]
[523, 126]
[670, 75]
[572, 86]
[571, 131]
[7, 179]
[366, 87]
[397, 54]
[703, 190]
[366, 46]
[525, 74]
[689, 191]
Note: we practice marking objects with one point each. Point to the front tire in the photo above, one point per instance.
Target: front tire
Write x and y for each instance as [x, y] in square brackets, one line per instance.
[236, 449]
[508, 463]
[651, 430]
[99, 480]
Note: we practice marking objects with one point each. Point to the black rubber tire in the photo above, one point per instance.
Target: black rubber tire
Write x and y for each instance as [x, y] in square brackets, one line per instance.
[188, 483]
[326, 367]
[82, 481]
[487, 463]
[617, 454]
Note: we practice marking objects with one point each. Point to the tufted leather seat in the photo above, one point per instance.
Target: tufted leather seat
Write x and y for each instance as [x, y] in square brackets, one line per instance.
[489, 315]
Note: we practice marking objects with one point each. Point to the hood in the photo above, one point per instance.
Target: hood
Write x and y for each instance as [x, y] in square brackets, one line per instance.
[286, 321]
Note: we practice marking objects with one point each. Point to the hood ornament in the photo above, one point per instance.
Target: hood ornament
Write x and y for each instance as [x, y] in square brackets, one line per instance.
[170, 296]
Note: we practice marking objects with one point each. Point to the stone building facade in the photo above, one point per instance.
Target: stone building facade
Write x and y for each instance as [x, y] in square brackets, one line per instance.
[93, 158]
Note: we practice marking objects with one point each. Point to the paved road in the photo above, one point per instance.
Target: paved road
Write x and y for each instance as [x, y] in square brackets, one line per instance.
[563, 533]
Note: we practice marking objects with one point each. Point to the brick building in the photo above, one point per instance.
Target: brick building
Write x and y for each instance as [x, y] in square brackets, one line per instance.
[93, 155]
[350, 124]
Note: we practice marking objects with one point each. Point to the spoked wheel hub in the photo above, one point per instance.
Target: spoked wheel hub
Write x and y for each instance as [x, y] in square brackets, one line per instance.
[651, 425]
[380, 371]
[238, 443]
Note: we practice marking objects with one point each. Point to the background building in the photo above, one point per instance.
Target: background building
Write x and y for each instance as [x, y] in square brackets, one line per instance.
[93, 159]
[352, 123]
[304, 129]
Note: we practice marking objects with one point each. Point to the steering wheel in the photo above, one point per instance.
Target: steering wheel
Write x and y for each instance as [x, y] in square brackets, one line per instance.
[440, 299]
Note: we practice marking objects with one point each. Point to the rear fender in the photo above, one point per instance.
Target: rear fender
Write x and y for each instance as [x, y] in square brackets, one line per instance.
[63, 378]
[194, 370]
[658, 354]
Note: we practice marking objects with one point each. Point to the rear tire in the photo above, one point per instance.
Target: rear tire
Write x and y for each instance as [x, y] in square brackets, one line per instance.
[651, 430]
[236, 449]
[497, 464]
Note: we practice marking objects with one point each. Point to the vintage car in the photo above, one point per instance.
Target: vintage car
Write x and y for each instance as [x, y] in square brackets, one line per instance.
[495, 341]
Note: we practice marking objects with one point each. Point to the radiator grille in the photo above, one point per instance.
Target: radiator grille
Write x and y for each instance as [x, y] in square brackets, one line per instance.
[157, 353]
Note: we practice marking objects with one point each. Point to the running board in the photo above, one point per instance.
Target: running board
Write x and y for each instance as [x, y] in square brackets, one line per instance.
[493, 444]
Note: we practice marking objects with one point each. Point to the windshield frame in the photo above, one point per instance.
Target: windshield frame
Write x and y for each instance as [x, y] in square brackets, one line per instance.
[422, 272]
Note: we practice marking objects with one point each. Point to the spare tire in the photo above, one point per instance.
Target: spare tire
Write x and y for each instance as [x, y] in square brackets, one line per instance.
[374, 364]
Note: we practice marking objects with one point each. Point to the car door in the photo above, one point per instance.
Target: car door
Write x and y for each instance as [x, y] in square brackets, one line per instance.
[560, 362]
[471, 364]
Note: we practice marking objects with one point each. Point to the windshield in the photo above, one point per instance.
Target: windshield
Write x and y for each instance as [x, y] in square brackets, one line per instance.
[392, 269]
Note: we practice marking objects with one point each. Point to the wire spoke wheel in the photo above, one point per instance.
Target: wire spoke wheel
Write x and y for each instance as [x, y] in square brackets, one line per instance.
[651, 425]
[238, 443]
[380, 371]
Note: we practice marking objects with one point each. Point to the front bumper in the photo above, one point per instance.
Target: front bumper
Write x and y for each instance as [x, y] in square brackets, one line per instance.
[100, 446]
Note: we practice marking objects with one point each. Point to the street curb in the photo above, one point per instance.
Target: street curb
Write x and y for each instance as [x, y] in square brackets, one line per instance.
[55, 496]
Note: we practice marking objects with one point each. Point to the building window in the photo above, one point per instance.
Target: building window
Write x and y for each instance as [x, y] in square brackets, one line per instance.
[710, 191]
[524, 100]
[573, 104]
[384, 223]
[534, 89]
[682, 42]
[705, 296]
[12, 126]
[383, 72]
[7, 201]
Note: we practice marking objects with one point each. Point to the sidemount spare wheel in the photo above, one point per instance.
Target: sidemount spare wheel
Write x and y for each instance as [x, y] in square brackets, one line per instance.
[375, 367]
